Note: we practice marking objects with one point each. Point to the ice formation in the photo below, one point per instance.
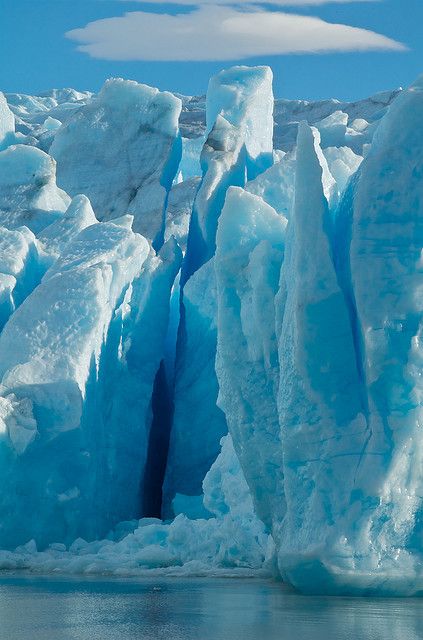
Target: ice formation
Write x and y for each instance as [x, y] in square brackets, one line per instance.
[28, 191]
[72, 352]
[7, 123]
[205, 265]
[122, 150]
[347, 324]
[238, 146]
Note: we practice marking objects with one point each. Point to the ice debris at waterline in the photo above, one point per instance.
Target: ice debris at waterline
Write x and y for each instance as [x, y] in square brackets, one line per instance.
[210, 313]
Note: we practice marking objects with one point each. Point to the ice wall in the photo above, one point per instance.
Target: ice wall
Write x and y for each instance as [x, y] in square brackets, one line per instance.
[345, 508]
[71, 355]
[231, 542]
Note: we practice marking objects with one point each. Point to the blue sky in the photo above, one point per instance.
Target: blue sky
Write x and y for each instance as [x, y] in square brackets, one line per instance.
[36, 54]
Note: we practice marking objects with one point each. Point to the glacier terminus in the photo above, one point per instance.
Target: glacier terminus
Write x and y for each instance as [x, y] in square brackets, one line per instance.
[211, 328]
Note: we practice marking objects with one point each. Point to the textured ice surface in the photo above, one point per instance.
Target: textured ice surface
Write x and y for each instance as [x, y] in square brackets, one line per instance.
[22, 266]
[122, 150]
[72, 351]
[77, 217]
[28, 192]
[179, 208]
[238, 147]
[347, 322]
[250, 251]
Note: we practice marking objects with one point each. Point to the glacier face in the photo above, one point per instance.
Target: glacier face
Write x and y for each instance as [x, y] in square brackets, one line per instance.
[347, 320]
[175, 268]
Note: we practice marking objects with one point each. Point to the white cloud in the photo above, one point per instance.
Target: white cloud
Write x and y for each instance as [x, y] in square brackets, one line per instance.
[220, 33]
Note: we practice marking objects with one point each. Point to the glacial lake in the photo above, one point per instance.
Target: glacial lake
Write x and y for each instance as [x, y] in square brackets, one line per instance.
[33, 608]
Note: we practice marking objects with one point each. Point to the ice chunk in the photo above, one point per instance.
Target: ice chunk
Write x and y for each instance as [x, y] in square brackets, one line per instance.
[250, 250]
[243, 97]
[80, 292]
[77, 217]
[385, 265]
[84, 349]
[179, 210]
[277, 185]
[343, 163]
[322, 418]
[122, 150]
[333, 129]
[28, 192]
[50, 124]
[238, 148]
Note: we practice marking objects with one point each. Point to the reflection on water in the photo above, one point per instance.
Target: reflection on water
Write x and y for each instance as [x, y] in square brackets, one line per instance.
[172, 609]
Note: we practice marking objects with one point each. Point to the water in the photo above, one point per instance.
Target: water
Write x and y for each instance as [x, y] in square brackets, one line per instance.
[195, 609]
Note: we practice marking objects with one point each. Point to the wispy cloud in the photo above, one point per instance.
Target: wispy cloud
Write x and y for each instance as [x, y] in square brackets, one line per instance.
[217, 32]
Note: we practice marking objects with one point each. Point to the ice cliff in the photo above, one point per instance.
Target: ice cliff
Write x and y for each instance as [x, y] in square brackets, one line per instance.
[210, 312]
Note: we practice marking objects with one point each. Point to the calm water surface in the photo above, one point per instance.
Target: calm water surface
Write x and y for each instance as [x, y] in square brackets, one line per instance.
[196, 609]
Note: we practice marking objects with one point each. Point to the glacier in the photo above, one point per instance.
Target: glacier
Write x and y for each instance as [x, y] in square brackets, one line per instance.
[210, 328]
